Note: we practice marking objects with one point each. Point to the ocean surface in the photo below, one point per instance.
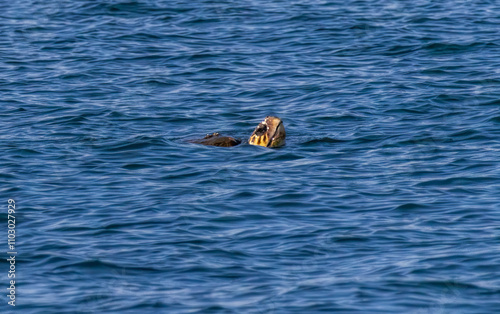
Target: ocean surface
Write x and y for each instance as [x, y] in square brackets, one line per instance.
[385, 198]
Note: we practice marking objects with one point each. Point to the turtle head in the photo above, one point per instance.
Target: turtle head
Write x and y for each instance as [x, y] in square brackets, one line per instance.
[269, 133]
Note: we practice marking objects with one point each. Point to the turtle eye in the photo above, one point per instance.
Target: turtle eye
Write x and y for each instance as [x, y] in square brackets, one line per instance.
[261, 129]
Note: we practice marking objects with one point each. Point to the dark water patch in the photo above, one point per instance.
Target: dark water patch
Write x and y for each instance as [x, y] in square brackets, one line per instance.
[465, 134]
[494, 103]
[130, 144]
[340, 118]
[26, 152]
[94, 265]
[451, 48]
[69, 120]
[139, 37]
[398, 50]
[495, 119]
[419, 140]
[369, 139]
[460, 181]
[411, 207]
[188, 173]
[215, 70]
[135, 166]
[245, 195]
[324, 140]
[350, 239]
[410, 111]
[6, 176]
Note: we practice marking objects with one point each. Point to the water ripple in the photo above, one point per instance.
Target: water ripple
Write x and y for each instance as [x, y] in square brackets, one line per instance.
[384, 199]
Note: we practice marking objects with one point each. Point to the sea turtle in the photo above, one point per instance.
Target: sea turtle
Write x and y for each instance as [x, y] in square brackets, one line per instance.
[269, 133]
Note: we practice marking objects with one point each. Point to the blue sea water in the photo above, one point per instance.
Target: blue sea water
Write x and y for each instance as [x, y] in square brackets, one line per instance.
[385, 199]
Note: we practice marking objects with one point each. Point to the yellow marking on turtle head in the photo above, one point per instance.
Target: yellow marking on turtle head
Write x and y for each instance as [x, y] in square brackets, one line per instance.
[259, 140]
[253, 139]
